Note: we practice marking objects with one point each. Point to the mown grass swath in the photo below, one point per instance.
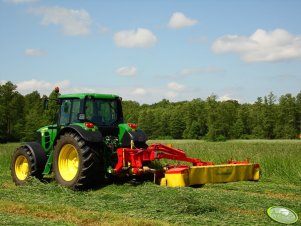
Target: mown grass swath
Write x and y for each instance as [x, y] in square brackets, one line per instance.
[241, 203]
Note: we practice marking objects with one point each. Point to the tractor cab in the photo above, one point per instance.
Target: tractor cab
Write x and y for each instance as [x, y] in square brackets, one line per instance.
[101, 110]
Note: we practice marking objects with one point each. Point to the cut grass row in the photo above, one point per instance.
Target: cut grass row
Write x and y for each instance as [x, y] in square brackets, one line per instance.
[242, 203]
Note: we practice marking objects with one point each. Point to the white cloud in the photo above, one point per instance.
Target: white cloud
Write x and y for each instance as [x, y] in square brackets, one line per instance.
[224, 98]
[227, 97]
[139, 92]
[140, 38]
[175, 86]
[33, 84]
[19, 1]
[78, 90]
[179, 20]
[73, 22]
[267, 46]
[44, 87]
[33, 52]
[126, 71]
[41, 86]
[174, 90]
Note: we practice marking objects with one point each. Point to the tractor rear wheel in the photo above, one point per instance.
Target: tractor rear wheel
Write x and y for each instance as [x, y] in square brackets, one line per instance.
[24, 164]
[77, 164]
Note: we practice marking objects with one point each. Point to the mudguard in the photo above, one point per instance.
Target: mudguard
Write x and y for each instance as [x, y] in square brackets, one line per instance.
[39, 155]
[90, 136]
[137, 136]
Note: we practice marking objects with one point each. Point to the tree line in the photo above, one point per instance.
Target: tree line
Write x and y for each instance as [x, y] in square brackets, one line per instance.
[210, 119]
[22, 115]
[268, 118]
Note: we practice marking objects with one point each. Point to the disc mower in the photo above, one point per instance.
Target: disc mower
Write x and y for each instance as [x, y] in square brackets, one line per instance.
[91, 142]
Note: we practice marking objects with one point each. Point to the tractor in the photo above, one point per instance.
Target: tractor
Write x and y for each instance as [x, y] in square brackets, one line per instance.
[91, 142]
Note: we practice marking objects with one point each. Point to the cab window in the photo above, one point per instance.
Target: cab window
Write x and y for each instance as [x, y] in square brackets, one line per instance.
[69, 111]
[101, 112]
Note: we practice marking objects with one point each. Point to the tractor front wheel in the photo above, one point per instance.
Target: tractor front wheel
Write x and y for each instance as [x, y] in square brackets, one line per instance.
[76, 163]
[23, 165]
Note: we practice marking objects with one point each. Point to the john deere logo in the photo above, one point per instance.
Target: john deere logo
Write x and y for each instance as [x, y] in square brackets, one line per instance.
[282, 215]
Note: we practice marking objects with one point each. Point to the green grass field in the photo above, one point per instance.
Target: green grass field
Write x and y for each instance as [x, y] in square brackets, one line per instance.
[239, 203]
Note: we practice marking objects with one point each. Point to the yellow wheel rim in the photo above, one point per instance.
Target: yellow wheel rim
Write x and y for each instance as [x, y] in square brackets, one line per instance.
[68, 162]
[21, 167]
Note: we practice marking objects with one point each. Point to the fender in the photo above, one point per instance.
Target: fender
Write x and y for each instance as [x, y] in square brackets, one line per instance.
[137, 136]
[86, 135]
[89, 136]
[38, 153]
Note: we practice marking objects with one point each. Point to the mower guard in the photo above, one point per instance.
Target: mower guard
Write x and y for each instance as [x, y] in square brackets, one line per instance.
[198, 175]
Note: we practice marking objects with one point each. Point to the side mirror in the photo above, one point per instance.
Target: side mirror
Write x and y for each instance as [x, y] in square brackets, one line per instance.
[81, 116]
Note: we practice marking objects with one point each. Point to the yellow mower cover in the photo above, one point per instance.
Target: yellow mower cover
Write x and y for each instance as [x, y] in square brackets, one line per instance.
[197, 175]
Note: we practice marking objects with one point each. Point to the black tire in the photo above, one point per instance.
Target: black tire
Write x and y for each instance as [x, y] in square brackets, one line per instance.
[23, 165]
[89, 164]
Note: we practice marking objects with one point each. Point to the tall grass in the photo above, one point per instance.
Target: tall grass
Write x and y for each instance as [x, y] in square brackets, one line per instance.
[279, 159]
[6, 151]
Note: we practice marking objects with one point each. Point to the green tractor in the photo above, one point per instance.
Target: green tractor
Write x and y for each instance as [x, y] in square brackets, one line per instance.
[81, 148]
[90, 142]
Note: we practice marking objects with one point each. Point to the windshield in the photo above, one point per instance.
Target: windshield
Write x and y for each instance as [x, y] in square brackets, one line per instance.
[68, 111]
[101, 111]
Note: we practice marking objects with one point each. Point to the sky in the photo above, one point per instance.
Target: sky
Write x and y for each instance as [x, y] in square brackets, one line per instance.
[147, 51]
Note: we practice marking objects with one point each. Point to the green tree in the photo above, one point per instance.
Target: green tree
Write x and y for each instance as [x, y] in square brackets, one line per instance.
[242, 126]
[145, 122]
[257, 118]
[237, 130]
[193, 131]
[12, 104]
[269, 116]
[298, 111]
[228, 116]
[195, 116]
[212, 117]
[287, 118]
[159, 123]
[176, 124]
[163, 123]
[50, 114]
[130, 111]
[221, 118]
[33, 115]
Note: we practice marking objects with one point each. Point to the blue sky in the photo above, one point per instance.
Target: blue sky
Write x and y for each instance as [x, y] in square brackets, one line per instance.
[150, 50]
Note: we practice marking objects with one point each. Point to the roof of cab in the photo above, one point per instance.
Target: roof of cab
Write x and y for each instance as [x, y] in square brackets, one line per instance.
[84, 95]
